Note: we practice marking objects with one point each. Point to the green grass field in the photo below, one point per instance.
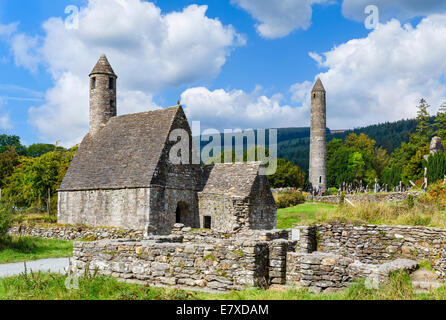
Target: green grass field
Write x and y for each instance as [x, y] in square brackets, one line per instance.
[14, 249]
[44, 286]
[305, 213]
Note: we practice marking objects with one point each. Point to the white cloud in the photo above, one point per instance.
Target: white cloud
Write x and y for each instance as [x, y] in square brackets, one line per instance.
[149, 51]
[7, 29]
[221, 109]
[381, 77]
[278, 18]
[5, 121]
[23, 48]
[401, 9]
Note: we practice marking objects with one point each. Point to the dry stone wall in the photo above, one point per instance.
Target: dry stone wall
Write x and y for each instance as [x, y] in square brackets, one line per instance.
[220, 265]
[322, 271]
[365, 197]
[67, 232]
[378, 244]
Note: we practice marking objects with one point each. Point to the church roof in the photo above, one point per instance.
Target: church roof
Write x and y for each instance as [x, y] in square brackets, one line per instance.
[318, 86]
[123, 154]
[103, 67]
[232, 179]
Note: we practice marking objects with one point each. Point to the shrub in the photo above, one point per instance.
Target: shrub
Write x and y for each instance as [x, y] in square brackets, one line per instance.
[436, 195]
[289, 199]
[334, 190]
[410, 201]
[342, 199]
[5, 220]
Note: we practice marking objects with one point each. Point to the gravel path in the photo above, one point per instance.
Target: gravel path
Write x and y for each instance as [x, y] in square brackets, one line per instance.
[52, 265]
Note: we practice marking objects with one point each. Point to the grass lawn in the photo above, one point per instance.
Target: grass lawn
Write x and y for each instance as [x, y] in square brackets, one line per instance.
[15, 249]
[44, 286]
[305, 213]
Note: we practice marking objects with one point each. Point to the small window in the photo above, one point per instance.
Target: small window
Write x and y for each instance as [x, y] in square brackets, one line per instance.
[110, 84]
[320, 179]
[261, 215]
[314, 96]
[207, 223]
[93, 83]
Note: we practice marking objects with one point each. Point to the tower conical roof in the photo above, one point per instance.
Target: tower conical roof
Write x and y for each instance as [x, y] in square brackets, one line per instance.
[103, 67]
[318, 86]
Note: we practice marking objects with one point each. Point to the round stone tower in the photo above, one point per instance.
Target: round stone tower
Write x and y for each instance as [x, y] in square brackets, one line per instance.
[102, 94]
[318, 149]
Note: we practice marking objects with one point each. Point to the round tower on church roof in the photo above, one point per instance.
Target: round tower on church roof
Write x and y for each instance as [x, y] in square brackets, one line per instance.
[102, 94]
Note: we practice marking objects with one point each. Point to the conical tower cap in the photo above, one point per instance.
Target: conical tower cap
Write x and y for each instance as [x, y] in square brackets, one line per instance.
[103, 67]
[318, 86]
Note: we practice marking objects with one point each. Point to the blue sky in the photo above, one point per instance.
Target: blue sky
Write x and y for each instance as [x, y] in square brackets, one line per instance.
[233, 63]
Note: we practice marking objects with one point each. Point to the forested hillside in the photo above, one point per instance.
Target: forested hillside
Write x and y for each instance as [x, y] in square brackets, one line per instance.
[294, 144]
[389, 152]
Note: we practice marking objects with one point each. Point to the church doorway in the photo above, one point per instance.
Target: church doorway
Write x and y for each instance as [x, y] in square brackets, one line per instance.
[182, 214]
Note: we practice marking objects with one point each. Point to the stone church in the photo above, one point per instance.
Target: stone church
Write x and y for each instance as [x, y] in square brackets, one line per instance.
[121, 175]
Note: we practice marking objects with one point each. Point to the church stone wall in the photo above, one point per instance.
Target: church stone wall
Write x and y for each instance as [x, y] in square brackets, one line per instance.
[228, 214]
[263, 209]
[164, 205]
[126, 208]
[150, 209]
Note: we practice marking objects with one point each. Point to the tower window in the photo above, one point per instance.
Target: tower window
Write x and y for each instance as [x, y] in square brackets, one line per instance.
[320, 179]
[314, 96]
[110, 84]
[93, 83]
[113, 107]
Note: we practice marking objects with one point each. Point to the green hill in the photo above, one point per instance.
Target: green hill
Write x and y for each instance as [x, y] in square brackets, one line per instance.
[294, 143]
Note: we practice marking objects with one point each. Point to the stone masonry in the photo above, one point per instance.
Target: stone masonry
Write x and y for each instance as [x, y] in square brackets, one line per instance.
[123, 176]
[318, 139]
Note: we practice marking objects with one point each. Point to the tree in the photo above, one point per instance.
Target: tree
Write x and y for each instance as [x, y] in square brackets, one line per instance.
[424, 130]
[392, 176]
[361, 142]
[38, 149]
[414, 169]
[353, 160]
[440, 122]
[287, 175]
[11, 141]
[381, 161]
[436, 167]
[9, 159]
[33, 178]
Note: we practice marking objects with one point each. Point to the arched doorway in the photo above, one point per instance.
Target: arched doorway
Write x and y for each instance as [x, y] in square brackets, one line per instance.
[182, 214]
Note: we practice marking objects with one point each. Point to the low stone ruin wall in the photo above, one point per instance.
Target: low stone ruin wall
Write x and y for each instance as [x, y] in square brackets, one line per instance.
[365, 197]
[220, 265]
[328, 272]
[375, 244]
[67, 232]
[201, 235]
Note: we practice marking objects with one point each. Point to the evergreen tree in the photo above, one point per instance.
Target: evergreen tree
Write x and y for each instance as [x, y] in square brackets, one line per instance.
[440, 122]
[424, 131]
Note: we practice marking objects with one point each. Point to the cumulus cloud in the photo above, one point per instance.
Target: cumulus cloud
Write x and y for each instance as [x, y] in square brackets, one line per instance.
[382, 77]
[150, 51]
[278, 18]
[5, 121]
[8, 29]
[23, 48]
[401, 9]
[236, 109]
